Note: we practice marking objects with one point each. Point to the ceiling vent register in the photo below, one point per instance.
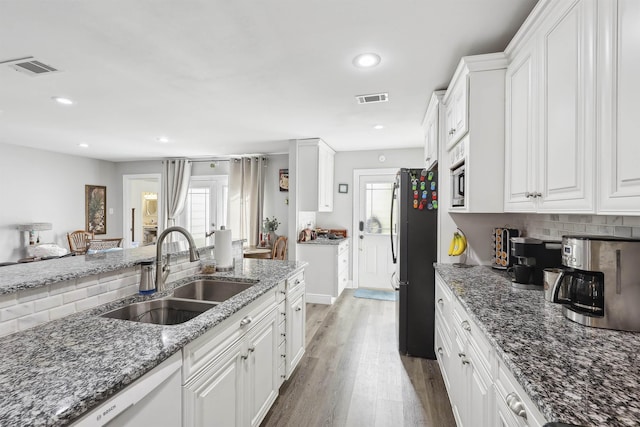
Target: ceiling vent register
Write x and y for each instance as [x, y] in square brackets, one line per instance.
[372, 98]
[30, 66]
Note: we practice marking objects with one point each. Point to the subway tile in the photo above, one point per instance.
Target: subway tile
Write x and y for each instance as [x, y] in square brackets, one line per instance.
[84, 282]
[25, 295]
[635, 232]
[554, 217]
[15, 311]
[580, 228]
[621, 231]
[32, 320]
[108, 297]
[614, 220]
[546, 232]
[62, 311]
[9, 327]
[62, 287]
[632, 221]
[605, 230]
[129, 271]
[599, 219]
[115, 284]
[97, 289]
[87, 303]
[592, 229]
[108, 276]
[74, 295]
[8, 299]
[48, 303]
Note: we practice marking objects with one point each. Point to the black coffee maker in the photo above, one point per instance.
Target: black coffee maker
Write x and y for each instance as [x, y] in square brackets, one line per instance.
[532, 257]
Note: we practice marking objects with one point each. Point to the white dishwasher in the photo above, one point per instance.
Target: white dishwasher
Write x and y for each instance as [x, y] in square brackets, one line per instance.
[154, 399]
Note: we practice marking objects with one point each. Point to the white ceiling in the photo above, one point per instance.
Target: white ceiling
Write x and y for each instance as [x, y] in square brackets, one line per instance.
[223, 77]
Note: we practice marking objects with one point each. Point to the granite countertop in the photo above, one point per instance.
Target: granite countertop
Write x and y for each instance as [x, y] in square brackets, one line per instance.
[53, 373]
[35, 274]
[573, 373]
[324, 241]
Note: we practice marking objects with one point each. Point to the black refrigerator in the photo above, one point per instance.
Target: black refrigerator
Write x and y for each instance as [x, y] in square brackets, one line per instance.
[414, 233]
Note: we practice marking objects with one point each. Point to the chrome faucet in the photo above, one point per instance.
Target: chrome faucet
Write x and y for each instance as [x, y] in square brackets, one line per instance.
[162, 271]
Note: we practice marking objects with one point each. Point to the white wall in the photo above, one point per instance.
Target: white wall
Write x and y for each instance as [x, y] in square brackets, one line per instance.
[42, 186]
[276, 201]
[345, 163]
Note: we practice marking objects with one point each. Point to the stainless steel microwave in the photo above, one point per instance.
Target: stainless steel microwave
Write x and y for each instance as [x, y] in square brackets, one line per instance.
[457, 186]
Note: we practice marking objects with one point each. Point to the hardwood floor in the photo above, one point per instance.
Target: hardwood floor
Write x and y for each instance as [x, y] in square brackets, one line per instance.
[353, 375]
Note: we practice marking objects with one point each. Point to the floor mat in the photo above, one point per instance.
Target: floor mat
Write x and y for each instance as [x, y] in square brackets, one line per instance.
[375, 294]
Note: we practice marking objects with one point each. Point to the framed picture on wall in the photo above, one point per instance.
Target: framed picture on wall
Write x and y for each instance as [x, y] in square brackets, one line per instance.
[95, 199]
[284, 180]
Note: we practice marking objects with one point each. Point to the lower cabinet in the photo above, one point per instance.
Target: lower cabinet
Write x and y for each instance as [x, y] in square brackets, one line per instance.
[295, 322]
[481, 389]
[234, 383]
[327, 270]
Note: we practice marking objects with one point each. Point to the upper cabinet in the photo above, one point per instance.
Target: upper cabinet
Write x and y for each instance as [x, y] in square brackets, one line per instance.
[315, 179]
[475, 103]
[618, 107]
[431, 127]
[550, 112]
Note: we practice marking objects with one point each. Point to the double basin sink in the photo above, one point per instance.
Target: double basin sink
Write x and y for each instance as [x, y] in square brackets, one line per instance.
[187, 302]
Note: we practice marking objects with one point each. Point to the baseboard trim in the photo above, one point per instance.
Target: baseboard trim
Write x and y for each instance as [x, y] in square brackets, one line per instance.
[319, 299]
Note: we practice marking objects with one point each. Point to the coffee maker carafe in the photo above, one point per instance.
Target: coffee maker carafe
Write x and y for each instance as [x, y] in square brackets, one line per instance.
[532, 257]
[601, 287]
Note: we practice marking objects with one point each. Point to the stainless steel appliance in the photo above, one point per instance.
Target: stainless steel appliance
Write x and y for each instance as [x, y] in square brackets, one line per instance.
[601, 287]
[532, 257]
[414, 250]
[501, 246]
[457, 185]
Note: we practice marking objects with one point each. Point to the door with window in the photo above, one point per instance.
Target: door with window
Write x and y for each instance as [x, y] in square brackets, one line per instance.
[206, 205]
[375, 265]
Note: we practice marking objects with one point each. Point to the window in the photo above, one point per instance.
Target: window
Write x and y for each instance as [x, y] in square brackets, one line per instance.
[377, 207]
[206, 204]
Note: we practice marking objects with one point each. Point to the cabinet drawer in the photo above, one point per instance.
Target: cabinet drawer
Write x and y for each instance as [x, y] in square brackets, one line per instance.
[295, 281]
[443, 300]
[511, 396]
[282, 330]
[473, 333]
[343, 261]
[281, 291]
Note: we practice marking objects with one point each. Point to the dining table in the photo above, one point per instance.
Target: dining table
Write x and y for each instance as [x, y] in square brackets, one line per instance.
[257, 252]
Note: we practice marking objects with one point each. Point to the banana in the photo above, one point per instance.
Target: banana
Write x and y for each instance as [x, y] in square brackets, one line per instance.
[452, 244]
[461, 245]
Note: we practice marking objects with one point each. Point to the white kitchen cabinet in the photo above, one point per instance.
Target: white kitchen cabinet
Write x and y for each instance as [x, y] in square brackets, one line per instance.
[431, 127]
[153, 399]
[295, 322]
[327, 272]
[231, 373]
[550, 111]
[315, 178]
[479, 144]
[481, 390]
[619, 103]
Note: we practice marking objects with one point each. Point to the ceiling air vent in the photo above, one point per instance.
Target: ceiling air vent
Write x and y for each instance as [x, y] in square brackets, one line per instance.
[374, 97]
[30, 66]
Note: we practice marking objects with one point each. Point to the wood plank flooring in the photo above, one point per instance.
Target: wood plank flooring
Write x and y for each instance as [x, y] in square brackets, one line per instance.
[353, 375]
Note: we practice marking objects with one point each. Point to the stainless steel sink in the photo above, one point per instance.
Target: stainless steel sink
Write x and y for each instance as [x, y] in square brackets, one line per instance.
[166, 311]
[211, 289]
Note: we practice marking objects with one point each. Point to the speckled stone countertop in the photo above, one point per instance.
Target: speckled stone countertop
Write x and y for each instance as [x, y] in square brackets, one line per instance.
[35, 274]
[325, 241]
[53, 373]
[573, 373]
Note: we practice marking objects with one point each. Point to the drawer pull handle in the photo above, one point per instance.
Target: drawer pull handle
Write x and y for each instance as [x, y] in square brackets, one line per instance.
[298, 308]
[516, 405]
[283, 292]
[297, 281]
[244, 356]
[283, 335]
[252, 349]
[440, 301]
[465, 361]
[283, 355]
[440, 350]
[461, 355]
[246, 321]
[466, 326]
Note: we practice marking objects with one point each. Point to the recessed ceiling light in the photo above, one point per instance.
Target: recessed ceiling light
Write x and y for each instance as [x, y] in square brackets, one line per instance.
[83, 145]
[61, 100]
[366, 60]
[163, 139]
[378, 127]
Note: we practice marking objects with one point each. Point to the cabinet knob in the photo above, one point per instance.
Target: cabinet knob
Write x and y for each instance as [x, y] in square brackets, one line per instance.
[244, 356]
[516, 405]
[440, 301]
[297, 281]
[538, 195]
[439, 350]
[452, 131]
[298, 308]
[251, 349]
[465, 361]
[528, 195]
[466, 326]
[246, 321]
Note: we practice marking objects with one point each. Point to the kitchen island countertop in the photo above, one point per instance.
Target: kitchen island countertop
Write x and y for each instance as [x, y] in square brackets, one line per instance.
[573, 373]
[53, 373]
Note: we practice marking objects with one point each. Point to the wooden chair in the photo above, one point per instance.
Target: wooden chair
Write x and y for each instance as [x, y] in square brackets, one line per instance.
[79, 241]
[279, 250]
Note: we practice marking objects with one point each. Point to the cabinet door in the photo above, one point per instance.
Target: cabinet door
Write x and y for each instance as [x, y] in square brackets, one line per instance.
[262, 368]
[325, 182]
[295, 331]
[480, 393]
[215, 397]
[430, 127]
[566, 151]
[520, 155]
[456, 112]
[619, 68]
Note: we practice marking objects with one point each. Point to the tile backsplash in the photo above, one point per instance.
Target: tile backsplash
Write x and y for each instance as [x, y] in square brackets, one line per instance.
[554, 226]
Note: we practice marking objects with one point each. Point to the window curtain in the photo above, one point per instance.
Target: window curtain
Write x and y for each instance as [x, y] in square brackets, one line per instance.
[246, 197]
[176, 175]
